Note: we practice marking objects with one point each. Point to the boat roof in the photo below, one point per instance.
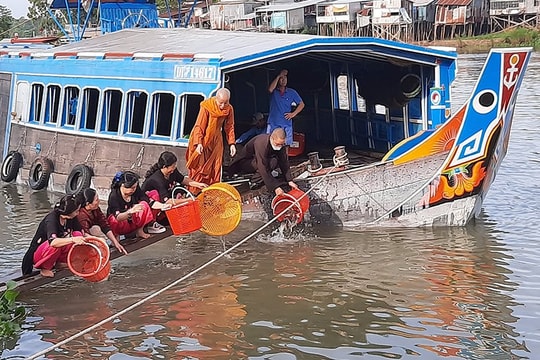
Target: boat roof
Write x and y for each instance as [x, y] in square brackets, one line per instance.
[231, 49]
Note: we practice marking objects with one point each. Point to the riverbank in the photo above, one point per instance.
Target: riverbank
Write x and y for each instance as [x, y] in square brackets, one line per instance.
[480, 44]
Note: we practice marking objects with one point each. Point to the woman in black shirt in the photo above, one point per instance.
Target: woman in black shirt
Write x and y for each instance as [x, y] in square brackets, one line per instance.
[55, 235]
[163, 176]
[130, 210]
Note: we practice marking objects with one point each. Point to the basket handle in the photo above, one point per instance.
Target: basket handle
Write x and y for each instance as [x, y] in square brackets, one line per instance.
[180, 188]
[94, 246]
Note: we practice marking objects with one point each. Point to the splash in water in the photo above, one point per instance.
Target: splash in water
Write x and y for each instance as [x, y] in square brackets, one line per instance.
[287, 232]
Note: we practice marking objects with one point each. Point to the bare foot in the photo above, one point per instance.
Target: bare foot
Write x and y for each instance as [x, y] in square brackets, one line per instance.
[61, 266]
[46, 273]
[142, 234]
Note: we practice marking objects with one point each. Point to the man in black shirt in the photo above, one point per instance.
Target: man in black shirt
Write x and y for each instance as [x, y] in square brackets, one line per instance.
[261, 155]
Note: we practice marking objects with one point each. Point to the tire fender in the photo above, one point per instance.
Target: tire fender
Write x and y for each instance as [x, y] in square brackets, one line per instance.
[79, 179]
[40, 172]
[11, 165]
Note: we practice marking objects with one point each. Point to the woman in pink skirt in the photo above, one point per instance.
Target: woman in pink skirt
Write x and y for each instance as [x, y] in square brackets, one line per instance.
[130, 209]
[55, 235]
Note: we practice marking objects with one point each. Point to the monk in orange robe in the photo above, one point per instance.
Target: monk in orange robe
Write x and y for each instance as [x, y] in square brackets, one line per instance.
[205, 148]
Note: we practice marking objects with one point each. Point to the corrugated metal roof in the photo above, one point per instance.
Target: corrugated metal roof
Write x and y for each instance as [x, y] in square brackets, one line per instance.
[421, 2]
[243, 49]
[288, 6]
[454, 2]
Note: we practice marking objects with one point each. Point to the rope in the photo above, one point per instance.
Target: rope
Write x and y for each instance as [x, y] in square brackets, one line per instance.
[22, 139]
[176, 282]
[138, 159]
[91, 153]
[16, 26]
[53, 142]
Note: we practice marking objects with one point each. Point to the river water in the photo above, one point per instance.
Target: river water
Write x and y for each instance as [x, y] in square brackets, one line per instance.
[454, 293]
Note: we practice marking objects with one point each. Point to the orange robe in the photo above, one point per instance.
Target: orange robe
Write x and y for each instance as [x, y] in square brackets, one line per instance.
[206, 167]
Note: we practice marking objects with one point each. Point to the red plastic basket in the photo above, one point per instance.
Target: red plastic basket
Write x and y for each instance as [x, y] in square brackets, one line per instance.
[298, 207]
[90, 260]
[186, 217]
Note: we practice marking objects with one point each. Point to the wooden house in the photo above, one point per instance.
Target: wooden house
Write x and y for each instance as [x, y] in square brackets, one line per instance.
[423, 16]
[460, 18]
[504, 13]
[338, 18]
[226, 14]
[287, 16]
[390, 19]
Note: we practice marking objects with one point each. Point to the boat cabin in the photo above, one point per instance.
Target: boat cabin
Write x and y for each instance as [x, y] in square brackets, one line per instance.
[140, 89]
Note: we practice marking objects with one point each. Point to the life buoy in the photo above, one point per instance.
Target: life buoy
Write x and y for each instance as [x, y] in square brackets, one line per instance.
[11, 165]
[79, 179]
[40, 171]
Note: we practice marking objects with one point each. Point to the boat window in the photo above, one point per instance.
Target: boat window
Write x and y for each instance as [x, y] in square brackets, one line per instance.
[22, 93]
[110, 115]
[89, 109]
[162, 114]
[135, 112]
[69, 106]
[53, 104]
[343, 92]
[188, 114]
[360, 101]
[35, 105]
[380, 109]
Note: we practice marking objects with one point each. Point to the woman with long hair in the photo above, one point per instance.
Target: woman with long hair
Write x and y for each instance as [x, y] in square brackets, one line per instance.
[55, 235]
[92, 219]
[163, 176]
[130, 209]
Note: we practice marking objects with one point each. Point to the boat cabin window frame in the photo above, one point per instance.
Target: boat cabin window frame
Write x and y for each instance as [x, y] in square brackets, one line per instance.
[52, 105]
[188, 110]
[36, 105]
[158, 114]
[132, 99]
[21, 103]
[84, 110]
[112, 109]
[343, 98]
[70, 106]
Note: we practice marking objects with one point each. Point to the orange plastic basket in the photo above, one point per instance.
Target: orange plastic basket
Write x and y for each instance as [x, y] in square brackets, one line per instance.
[90, 260]
[186, 217]
[221, 209]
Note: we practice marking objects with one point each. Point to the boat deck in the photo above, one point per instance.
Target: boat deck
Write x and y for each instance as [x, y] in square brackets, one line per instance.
[35, 279]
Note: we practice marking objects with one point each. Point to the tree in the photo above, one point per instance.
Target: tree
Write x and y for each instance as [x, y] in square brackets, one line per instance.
[6, 20]
[41, 18]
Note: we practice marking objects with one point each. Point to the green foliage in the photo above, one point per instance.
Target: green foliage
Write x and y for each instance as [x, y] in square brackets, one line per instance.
[6, 20]
[37, 12]
[519, 36]
[11, 315]
[162, 5]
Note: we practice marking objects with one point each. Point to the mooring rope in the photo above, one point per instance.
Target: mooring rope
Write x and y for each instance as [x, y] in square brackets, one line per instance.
[188, 275]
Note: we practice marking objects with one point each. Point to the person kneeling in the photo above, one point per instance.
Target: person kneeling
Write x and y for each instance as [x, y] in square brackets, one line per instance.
[261, 155]
[130, 209]
[55, 236]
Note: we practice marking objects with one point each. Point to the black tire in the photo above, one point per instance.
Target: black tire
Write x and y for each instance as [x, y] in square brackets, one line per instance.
[79, 179]
[40, 172]
[11, 165]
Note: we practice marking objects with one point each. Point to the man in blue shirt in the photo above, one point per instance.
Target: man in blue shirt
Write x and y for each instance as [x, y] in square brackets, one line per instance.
[285, 104]
[259, 127]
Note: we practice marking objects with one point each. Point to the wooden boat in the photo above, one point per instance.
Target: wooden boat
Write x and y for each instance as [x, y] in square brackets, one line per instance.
[438, 176]
[76, 114]
[35, 40]
[36, 280]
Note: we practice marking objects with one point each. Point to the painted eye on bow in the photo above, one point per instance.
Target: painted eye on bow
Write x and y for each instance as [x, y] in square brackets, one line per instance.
[484, 101]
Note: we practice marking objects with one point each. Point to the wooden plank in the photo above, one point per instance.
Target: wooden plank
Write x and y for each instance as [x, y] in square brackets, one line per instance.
[35, 279]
